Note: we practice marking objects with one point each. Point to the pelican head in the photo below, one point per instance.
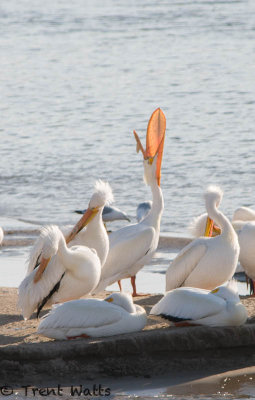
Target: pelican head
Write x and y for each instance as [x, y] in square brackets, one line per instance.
[213, 196]
[102, 195]
[154, 141]
[123, 300]
[228, 292]
[50, 235]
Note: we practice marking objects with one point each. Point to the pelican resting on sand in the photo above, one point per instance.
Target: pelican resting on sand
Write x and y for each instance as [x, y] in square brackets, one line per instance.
[207, 262]
[93, 318]
[67, 273]
[110, 214]
[192, 306]
[132, 246]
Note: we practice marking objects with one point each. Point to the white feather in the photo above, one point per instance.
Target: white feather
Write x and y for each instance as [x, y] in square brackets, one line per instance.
[132, 246]
[80, 265]
[207, 262]
[93, 235]
[102, 194]
[198, 225]
[246, 237]
[244, 214]
[94, 318]
[213, 195]
[203, 307]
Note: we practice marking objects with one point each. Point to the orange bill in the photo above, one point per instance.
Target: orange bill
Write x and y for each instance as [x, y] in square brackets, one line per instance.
[209, 227]
[216, 230]
[43, 265]
[139, 145]
[155, 138]
[87, 216]
[155, 132]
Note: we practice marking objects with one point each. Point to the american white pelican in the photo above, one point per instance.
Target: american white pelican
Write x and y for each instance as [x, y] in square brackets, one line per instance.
[143, 209]
[207, 262]
[246, 238]
[110, 214]
[93, 318]
[245, 229]
[193, 306]
[244, 214]
[243, 222]
[94, 235]
[64, 274]
[1, 235]
[132, 246]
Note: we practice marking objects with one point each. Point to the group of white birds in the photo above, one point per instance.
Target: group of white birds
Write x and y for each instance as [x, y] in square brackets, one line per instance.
[66, 264]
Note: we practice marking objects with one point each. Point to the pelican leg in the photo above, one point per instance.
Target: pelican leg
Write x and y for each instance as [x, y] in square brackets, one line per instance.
[183, 324]
[119, 283]
[135, 294]
[252, 287]
[83, 335]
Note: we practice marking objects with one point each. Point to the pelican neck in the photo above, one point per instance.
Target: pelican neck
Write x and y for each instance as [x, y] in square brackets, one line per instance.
[220, 219]
[154, 216]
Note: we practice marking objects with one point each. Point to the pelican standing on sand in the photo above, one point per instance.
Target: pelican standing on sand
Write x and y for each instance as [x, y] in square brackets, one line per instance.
[94, 235]
[134, 245]
[207, 262]
[193, 306]
[246, 238]
[1, 235]
[93, 318]
[68, 273]
[243, 222]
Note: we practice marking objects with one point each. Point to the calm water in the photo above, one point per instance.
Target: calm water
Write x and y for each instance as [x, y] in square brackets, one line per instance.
[76, 79]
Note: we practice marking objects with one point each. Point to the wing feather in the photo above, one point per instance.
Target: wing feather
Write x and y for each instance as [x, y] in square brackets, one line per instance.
[34, 256]
[125, 251]
[185, 262]
[189, 303]
[83, 313]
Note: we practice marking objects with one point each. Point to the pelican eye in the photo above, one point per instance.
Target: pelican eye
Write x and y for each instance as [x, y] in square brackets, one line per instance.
[110, 300]
[215, 290]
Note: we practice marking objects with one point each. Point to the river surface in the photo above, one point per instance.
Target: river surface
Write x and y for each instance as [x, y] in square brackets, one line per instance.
[77, 78]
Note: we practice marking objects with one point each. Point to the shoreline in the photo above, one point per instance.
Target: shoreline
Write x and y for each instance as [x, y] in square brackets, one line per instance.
[154, 351]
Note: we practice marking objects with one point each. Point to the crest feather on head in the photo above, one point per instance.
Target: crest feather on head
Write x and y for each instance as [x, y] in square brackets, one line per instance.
[102, 193]
[213, 194]
[50, 235]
